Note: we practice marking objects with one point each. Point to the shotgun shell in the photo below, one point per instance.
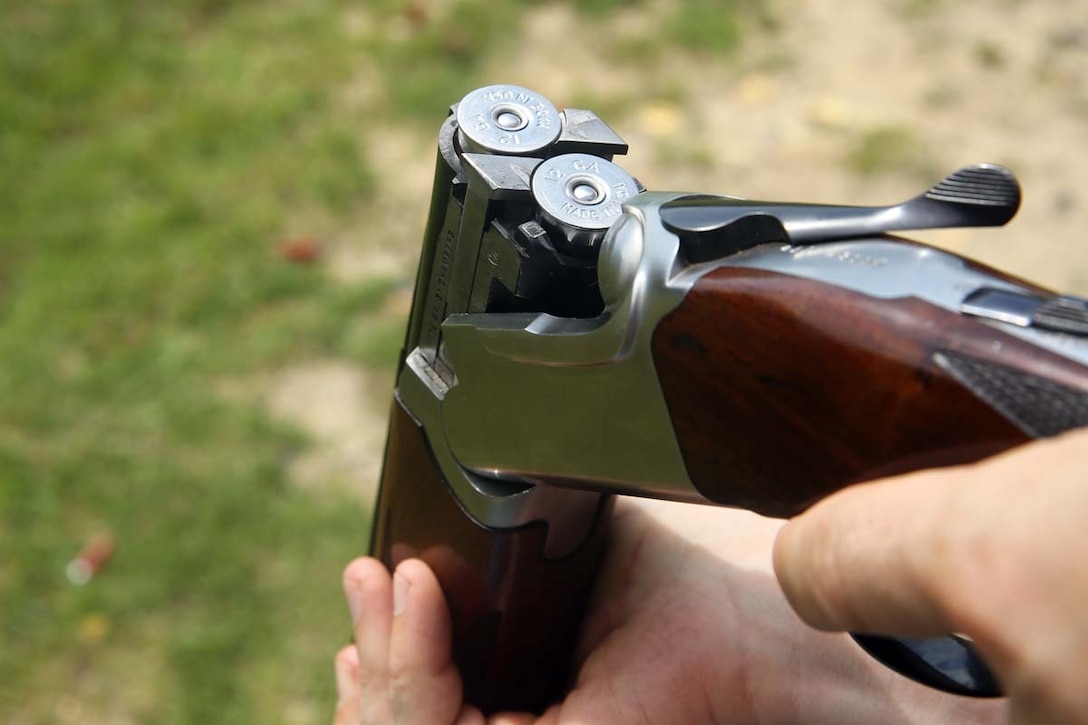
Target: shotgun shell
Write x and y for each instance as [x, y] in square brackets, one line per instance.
[91, 558]
[506, 119]
[301, 250]
[579, 197]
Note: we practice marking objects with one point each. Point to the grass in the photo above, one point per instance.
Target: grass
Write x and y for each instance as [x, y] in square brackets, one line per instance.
[435, 57]
[916, 9]
[890, 149]
[703, 27]
[715, 27]
[989, 55]
[152, 155]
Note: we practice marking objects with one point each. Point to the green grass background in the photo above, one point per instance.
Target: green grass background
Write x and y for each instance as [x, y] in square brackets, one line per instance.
[152, 154]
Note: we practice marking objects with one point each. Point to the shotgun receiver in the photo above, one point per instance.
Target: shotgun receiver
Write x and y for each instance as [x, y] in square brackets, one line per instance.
[574, 336]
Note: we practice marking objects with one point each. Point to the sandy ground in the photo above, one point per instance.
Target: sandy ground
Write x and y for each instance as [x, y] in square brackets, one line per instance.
[952, 82]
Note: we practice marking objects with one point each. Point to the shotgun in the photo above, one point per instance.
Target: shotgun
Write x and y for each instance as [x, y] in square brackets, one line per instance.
[574, 337]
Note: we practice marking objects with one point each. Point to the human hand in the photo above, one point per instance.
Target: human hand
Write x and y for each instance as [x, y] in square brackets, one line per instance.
[996, 551]
[686, 625]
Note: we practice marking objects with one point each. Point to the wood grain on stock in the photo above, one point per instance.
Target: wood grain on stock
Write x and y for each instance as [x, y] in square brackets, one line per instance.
[515, 615]
[782, 390]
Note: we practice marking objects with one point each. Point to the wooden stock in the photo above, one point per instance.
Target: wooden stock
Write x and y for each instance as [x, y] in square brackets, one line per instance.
[782, 390]
[515, 614]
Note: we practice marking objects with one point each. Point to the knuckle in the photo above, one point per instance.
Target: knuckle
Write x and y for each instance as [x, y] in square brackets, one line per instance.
[347, 659]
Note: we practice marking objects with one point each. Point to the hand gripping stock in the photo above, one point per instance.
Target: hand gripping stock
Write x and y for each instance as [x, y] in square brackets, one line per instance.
[574, 336]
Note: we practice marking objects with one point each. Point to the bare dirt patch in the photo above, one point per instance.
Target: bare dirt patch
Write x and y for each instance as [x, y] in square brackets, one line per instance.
[337, 406]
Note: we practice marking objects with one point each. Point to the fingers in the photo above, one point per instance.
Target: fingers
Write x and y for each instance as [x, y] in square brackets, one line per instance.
[425, 686]
[874, 557]
[402, 669]
[937, 551]
[349, 696]
[369, 591]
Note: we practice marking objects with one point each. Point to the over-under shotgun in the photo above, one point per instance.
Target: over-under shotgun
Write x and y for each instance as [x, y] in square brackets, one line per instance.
[574, 336]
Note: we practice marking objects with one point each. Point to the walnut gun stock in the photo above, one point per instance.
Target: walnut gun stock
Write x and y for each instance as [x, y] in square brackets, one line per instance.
[574, 336]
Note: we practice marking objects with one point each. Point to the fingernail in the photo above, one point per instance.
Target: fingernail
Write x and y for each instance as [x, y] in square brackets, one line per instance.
[350, 655]
[401, 585]
[355, 599]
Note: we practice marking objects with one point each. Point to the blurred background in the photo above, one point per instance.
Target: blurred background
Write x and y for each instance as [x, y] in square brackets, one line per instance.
[210, 212]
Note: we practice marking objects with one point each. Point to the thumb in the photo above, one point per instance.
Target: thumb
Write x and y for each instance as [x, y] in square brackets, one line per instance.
[875, 557]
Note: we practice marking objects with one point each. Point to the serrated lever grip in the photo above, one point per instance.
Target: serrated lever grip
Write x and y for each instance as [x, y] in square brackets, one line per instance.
[982, 195]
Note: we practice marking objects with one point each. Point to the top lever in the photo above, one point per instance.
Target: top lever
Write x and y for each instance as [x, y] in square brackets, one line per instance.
[982, 195]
